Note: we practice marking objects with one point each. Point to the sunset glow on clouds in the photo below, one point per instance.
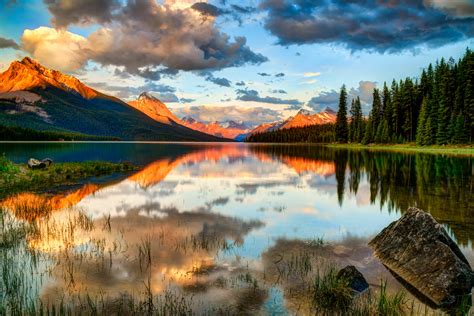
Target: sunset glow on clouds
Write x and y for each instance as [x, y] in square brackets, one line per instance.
[274, 56]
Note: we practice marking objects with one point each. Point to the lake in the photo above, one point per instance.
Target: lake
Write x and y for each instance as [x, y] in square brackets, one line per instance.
[222, 228]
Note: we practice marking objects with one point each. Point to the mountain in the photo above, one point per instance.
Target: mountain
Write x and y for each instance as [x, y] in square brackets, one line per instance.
[154, 108]
[38, 98]
[227, 129]
[301, 119]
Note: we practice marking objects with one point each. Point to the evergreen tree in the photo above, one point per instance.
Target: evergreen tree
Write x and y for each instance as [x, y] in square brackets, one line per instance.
[421, 131]
[443, 107]
[351, 124]
[341, 130]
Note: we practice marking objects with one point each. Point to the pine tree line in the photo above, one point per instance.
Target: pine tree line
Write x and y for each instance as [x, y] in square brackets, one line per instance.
[323, 133]
[436, 109]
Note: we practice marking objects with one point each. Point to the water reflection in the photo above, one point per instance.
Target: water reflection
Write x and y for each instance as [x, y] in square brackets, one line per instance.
[210, 221]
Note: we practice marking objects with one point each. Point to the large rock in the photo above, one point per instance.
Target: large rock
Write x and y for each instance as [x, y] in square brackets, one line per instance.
[419, 250]
[36, 164]
[354, 278]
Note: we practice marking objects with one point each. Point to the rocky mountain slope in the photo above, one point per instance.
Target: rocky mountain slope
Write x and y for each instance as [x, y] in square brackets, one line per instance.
[38, 98]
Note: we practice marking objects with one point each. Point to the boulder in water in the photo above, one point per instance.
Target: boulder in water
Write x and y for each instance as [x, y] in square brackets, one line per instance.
[354, 278]
[36, 164]
[418, 249]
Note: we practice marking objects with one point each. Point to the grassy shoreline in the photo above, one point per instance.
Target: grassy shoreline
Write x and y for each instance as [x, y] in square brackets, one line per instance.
[15, 178]
[464, 150]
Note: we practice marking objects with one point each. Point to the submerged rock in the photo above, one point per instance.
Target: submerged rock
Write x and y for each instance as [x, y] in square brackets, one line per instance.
[419, 250]
[354, 278]
[36, 164]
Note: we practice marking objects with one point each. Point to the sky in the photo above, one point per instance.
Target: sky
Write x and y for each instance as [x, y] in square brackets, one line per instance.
[248, 60]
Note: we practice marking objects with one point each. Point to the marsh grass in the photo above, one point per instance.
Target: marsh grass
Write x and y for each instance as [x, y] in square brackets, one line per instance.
[331, 293]
[16, 177]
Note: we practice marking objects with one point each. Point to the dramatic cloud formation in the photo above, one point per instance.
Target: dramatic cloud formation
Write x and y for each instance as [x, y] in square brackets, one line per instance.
[370, 24]
[142, 36]
[8, 43]
[253, 95]
[331, 98]
[252, 116]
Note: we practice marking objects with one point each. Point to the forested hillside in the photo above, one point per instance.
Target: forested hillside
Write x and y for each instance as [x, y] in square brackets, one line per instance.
[437, 108]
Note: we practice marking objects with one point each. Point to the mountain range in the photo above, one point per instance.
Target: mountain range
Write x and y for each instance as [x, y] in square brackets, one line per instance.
[32, 96]
[38, 98]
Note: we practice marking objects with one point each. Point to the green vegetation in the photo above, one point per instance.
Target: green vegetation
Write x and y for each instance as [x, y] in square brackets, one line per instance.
[341, 130]
[466, 150]
[310, 134]
[436, 109]
[15, 133]
[17, 177]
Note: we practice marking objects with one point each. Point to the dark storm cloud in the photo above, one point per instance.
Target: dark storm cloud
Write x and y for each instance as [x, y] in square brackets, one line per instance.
[8, 43]
[383, 26]
[253, 95]
[66, 12]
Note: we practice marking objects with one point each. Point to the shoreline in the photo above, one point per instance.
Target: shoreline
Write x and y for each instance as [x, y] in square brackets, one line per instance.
[463, 150]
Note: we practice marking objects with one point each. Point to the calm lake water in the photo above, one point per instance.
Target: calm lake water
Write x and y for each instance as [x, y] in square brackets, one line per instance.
[208, 226]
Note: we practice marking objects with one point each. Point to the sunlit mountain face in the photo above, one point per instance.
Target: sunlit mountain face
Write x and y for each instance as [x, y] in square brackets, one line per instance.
[210, 221]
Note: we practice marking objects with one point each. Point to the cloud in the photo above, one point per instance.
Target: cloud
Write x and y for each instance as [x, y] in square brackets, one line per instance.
[66, 12]
[312, 81]
[252, 116]
[240, 83]
[144, 37]
[223, 82]
[457, 8]
[8, 43]
[280, 74]
[243, 10]
[127, 92]
[278, 91]
[186, 100]
[253, 95]
[382, 26]
[207, 9]
[364, 92]
[331, 98]
[58, 49]
[264, 74]
[311, 74]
